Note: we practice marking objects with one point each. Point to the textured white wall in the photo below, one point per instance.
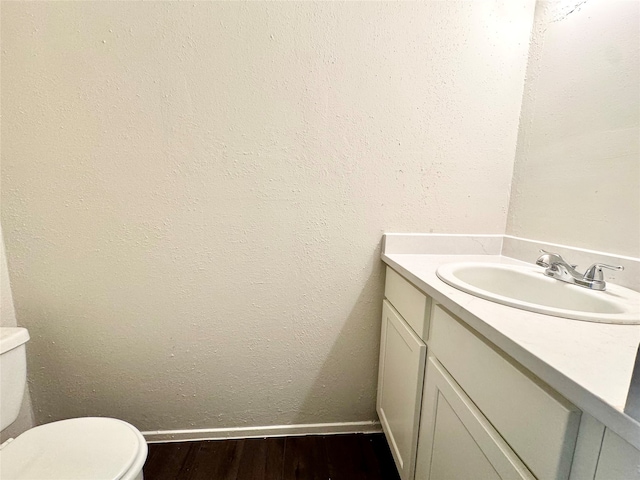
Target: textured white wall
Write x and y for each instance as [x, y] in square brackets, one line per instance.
[577, 170]
[194, 193]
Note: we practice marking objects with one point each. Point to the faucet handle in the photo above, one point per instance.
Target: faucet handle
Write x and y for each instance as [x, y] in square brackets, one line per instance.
[594, 272]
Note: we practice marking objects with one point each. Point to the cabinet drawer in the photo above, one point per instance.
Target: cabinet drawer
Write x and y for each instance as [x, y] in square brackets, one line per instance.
[538, 424]
[411, 303]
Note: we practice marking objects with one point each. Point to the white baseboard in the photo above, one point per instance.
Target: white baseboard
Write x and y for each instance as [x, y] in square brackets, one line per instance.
[161, 436]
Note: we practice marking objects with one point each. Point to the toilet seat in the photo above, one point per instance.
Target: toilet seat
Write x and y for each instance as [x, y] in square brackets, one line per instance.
[76, 449]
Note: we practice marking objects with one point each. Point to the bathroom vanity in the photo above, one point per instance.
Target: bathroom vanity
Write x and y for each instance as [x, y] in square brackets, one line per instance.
[469, 388]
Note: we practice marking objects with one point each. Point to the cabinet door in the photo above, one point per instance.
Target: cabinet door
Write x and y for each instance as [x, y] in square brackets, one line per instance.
[456, 441]
[402, 361]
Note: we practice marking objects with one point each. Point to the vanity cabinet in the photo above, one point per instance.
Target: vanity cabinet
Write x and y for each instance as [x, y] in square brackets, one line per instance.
[453, 405]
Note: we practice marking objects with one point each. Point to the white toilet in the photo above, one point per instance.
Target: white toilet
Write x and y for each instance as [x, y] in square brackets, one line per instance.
[76, 449]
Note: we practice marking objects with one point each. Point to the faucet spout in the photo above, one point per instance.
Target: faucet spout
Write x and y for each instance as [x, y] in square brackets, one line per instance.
[554, 262]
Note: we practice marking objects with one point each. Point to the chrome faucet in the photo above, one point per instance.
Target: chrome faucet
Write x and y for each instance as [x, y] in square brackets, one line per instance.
[556, 267]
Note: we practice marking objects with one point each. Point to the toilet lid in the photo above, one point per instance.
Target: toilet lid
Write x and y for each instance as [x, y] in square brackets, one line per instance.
[76, 449]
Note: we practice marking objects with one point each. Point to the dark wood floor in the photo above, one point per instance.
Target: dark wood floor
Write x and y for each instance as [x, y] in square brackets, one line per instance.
[335, 457]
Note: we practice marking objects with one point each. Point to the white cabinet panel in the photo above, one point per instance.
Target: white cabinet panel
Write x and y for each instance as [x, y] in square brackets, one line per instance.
[619, 460]
[456, 441]
[588, 445]
[400, 377]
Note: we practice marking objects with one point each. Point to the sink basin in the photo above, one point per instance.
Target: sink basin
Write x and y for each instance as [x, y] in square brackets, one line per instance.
[527, 288]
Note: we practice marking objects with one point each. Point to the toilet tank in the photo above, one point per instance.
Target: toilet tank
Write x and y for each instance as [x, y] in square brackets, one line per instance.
[13, 372]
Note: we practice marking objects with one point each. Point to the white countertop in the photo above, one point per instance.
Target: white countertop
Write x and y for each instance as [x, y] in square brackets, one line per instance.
[588, 363]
